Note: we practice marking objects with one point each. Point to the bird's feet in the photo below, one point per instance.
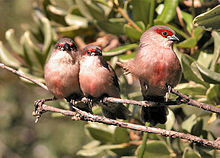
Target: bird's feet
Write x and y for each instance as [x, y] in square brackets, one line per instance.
[38, 110]
[169, 88]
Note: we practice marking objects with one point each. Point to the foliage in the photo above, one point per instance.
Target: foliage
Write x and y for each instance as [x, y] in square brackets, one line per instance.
[198, 51]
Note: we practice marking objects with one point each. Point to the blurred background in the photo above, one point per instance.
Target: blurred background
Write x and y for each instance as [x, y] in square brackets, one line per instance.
[28, 31]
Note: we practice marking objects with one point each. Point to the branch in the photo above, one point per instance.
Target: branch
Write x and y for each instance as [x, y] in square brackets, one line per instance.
[23, 76]
[82, 115]
[185, 98]
[195, 103]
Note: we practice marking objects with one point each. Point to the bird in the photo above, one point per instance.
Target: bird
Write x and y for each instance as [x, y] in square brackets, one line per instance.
[98, 80]
[158, 69]
[61, 73]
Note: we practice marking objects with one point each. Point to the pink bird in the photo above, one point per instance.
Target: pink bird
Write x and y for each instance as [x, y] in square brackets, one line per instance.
[98, 79]
[158, 70]
[61, 73]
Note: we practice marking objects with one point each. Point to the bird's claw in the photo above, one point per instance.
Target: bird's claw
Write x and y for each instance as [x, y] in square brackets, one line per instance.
[169, 88]
[38, 109]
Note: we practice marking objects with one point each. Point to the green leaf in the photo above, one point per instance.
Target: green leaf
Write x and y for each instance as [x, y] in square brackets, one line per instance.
[197, 128]
[100, 132]
[75, 20]
[189, 153]
[169, 11]
[121, 135]
[209, 20]
[216, 54]
[191, 89]
[141, 10]
[188, 20]
[213, 94]
[57, 14]
[156, 149]
[126, 57]
[10, 37]
[205, 58]
[190, 70]
[132, 32]
[111, 27]
[97, 150]
[189, 122]
[208, 75]
[170, 120]
[6, 57]
[48, 38]
[120, 50]
[188, 43]
[90, 10]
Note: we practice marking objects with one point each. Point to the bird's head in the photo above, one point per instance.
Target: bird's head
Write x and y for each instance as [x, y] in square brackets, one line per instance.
[66, 44]
[92, 50]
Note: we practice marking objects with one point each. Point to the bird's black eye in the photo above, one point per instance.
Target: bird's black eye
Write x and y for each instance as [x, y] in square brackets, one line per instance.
[88, 52]
[164, 33]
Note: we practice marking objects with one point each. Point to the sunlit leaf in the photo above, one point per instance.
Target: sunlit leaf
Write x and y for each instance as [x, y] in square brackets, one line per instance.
[216, 55]
[213, 94]
[6, 57]
[141, 10]
[120, 50]
[132, 32]
[76, 20]
[169, 11]
[209, 20]
[188, 43]
[189, 153]
[188, 123]
[121, 135]
[10, 37]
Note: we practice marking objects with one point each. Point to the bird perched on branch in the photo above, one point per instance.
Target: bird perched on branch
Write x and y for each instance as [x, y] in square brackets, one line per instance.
[98, 79]
[61, 72]
[158, 70]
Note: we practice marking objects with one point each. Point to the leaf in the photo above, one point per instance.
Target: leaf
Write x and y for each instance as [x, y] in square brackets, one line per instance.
[47, 30]
[57, 14]
[216, 54]
[141, 10]
[90, 10]
[208, 75]
[132, 32]
[156, 149]
[197, 128]
[188, 20]
[111, 27]
[189, 122]
[213, 94]
[189, 153]
[188, 43]
[10, 37]
[126, 57]
[6, 57]
[100, 132]
[190, 70]
[170, 120]
[205, 58]
[75, 20]
[191, 89]
[120, 50]
[209, 20]
[169, 11]
[97, 150]
[121, 135]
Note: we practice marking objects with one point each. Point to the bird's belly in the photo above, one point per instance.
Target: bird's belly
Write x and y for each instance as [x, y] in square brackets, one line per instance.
[160, 74]
[63, 81]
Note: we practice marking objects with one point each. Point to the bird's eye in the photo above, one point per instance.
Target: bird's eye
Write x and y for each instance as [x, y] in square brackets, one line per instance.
[88, 52]
[164, 33]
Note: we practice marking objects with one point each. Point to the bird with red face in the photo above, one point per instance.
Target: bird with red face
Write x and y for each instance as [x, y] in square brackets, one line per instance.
[98, 79]
[158, 69]
[61, 72]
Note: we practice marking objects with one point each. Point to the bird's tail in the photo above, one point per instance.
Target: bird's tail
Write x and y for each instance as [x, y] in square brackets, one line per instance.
[155, 114]
[115, 110]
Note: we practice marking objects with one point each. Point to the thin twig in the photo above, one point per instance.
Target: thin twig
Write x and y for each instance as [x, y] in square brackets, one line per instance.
[24, 76]
[82, 115]
[125, 15]
[195, 103]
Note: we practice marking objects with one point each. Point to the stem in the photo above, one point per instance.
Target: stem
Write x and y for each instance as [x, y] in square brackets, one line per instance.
[144, 143]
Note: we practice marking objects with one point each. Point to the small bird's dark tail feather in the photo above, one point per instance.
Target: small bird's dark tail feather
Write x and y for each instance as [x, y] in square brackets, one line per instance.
[114, 111]
[154, 115]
